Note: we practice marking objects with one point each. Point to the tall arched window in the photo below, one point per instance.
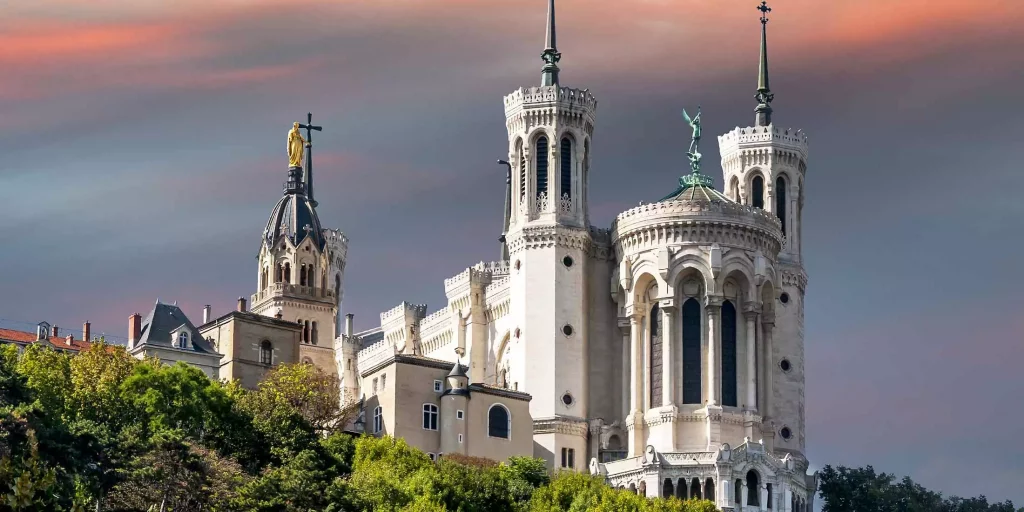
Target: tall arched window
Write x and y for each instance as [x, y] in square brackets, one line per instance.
[691, 352]
[695, 489]
[302, 275]
[654, 325]
[729, 354]
[737, 493]
[566, 175]
[753, 496]
[667, 489]
[522, 169]
[314, 335]
[709, 489]
[498, 422]
[429, 417]
[542, 164]
[757, 192]
[780, 201]
[266, 352]
[337, 288]
[305, 331]
[279, 275]
[288, 272]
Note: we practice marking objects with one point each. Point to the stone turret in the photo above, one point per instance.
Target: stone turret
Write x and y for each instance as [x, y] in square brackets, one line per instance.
[454, 404]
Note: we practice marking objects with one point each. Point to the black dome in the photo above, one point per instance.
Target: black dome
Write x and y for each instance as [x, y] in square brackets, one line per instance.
[290, 217]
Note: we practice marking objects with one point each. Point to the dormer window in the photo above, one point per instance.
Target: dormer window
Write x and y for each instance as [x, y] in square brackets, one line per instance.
[181, 340]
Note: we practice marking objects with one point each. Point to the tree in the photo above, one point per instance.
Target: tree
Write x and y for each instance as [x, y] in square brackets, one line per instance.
[306, 389]
[862, 489]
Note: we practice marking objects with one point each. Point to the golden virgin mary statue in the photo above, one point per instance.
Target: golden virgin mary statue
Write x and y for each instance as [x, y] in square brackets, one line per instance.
[296, 146]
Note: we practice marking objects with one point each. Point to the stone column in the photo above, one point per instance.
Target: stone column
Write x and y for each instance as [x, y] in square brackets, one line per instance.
[767, 364]
[743, 494]
[626, 372]
[763, 493]
[636, 364]
[751, 380]
[668, 374]
[713, 309]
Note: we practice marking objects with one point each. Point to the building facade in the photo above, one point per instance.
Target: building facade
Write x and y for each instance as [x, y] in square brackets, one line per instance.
[168, 335]
[666, 349]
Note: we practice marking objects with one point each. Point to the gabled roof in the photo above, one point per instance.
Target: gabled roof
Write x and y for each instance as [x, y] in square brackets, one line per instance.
[165, 319]
[12, 336]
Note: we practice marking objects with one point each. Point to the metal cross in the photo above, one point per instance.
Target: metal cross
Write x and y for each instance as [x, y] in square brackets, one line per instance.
[764, 10]
[309, 127]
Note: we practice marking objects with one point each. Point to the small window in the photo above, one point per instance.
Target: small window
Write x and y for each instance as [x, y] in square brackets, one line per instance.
[460, 414]
[785, 365]
[567, 330]
[438, 387]
[498, 422]
[460, 438]
[374, 385]
[383, 381]
[567, 399]
[568, 458]
[786, 433]
[429, 417]
[378, 420]
[266, 353]
[784, 298]
[567, 261]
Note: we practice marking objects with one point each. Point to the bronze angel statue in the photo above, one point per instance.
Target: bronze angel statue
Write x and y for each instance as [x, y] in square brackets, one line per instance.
[693, 154]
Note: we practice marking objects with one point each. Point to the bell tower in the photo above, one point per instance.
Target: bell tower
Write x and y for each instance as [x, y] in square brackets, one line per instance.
[764, 166]
[301, 264]
[549, 243]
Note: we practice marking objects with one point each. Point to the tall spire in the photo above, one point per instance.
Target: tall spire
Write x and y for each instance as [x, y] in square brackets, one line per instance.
[764, 91]
[549, 74]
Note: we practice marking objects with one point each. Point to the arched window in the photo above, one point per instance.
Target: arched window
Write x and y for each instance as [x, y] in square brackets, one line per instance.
[729, 354]
[654, 324]
[780, 201]
[757, 192]
[314, 335]
[566, 176]
[521, 155]
[182, 340]
[279, 274]
[734, 189]
[305, 331]
[302, 275]
[429, 417]
[378, 420]
[681, 488]
[695, 489]
[266, 353]
[709, 489]
[337, 288]
[542, 164]
[288, 272]
[498, 422]
[753, 496]
[667, 489]
[691, 352]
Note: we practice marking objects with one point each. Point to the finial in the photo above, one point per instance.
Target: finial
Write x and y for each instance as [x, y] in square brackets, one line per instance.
[764, 93]
[549, 74]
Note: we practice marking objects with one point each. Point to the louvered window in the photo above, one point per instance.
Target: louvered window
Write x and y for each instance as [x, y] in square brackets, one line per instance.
[522, 170]
[654, 324]
[566, 154]
[780, 202]
[729, 354]
[691, 352]
[757, 192]
[542, 165]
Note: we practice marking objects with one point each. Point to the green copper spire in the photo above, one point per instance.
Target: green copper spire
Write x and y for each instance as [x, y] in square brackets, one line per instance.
[549, 74]
[764, 91]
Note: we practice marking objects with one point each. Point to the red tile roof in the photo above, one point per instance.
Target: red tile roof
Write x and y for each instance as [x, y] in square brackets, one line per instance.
[10, 335]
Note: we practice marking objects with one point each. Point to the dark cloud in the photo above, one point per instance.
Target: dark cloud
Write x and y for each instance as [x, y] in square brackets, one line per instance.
[143, 149]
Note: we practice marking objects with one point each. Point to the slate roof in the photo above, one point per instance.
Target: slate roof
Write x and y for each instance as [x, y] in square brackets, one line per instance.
[291, 214]
[21, 337]
[165, 319]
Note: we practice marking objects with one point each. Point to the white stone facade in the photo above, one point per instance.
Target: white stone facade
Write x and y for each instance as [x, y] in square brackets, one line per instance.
[667, 349]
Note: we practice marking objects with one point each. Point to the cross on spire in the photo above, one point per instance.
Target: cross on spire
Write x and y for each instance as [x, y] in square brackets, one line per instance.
[309, 127]
[764, 92]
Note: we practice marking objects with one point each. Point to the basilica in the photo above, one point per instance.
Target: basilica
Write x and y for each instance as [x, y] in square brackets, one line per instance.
[664, 352]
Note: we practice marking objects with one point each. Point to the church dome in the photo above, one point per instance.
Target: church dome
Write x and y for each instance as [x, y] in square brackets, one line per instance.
[290, 218]
[697, 187]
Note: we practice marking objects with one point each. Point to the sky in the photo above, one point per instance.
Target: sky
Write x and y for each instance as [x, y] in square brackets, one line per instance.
[143, 147]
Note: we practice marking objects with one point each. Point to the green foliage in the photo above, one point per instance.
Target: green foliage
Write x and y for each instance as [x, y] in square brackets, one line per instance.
[862, 489]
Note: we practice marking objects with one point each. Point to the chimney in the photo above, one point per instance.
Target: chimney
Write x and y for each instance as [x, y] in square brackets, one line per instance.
[86, 330]
[241, 304]
[348, 324]
[56, 332]
[69, 339]
[206, 314]
[134, 329]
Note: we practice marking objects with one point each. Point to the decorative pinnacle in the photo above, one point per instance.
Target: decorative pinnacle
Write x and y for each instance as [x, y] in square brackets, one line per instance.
[764, 93]
[549, 74]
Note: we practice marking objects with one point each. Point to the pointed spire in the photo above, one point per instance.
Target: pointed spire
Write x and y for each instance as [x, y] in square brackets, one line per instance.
[549, 74]
[764, 92]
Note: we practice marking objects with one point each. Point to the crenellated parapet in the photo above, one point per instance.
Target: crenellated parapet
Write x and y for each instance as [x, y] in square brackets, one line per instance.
[759, 136]
[528, 107]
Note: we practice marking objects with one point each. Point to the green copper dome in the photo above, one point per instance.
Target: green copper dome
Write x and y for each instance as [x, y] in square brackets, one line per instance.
[696, 186]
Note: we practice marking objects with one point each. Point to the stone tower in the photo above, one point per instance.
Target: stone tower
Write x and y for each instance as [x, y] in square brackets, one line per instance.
[300, 271]
[454, 401]
[549, 131]
[764, 166]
